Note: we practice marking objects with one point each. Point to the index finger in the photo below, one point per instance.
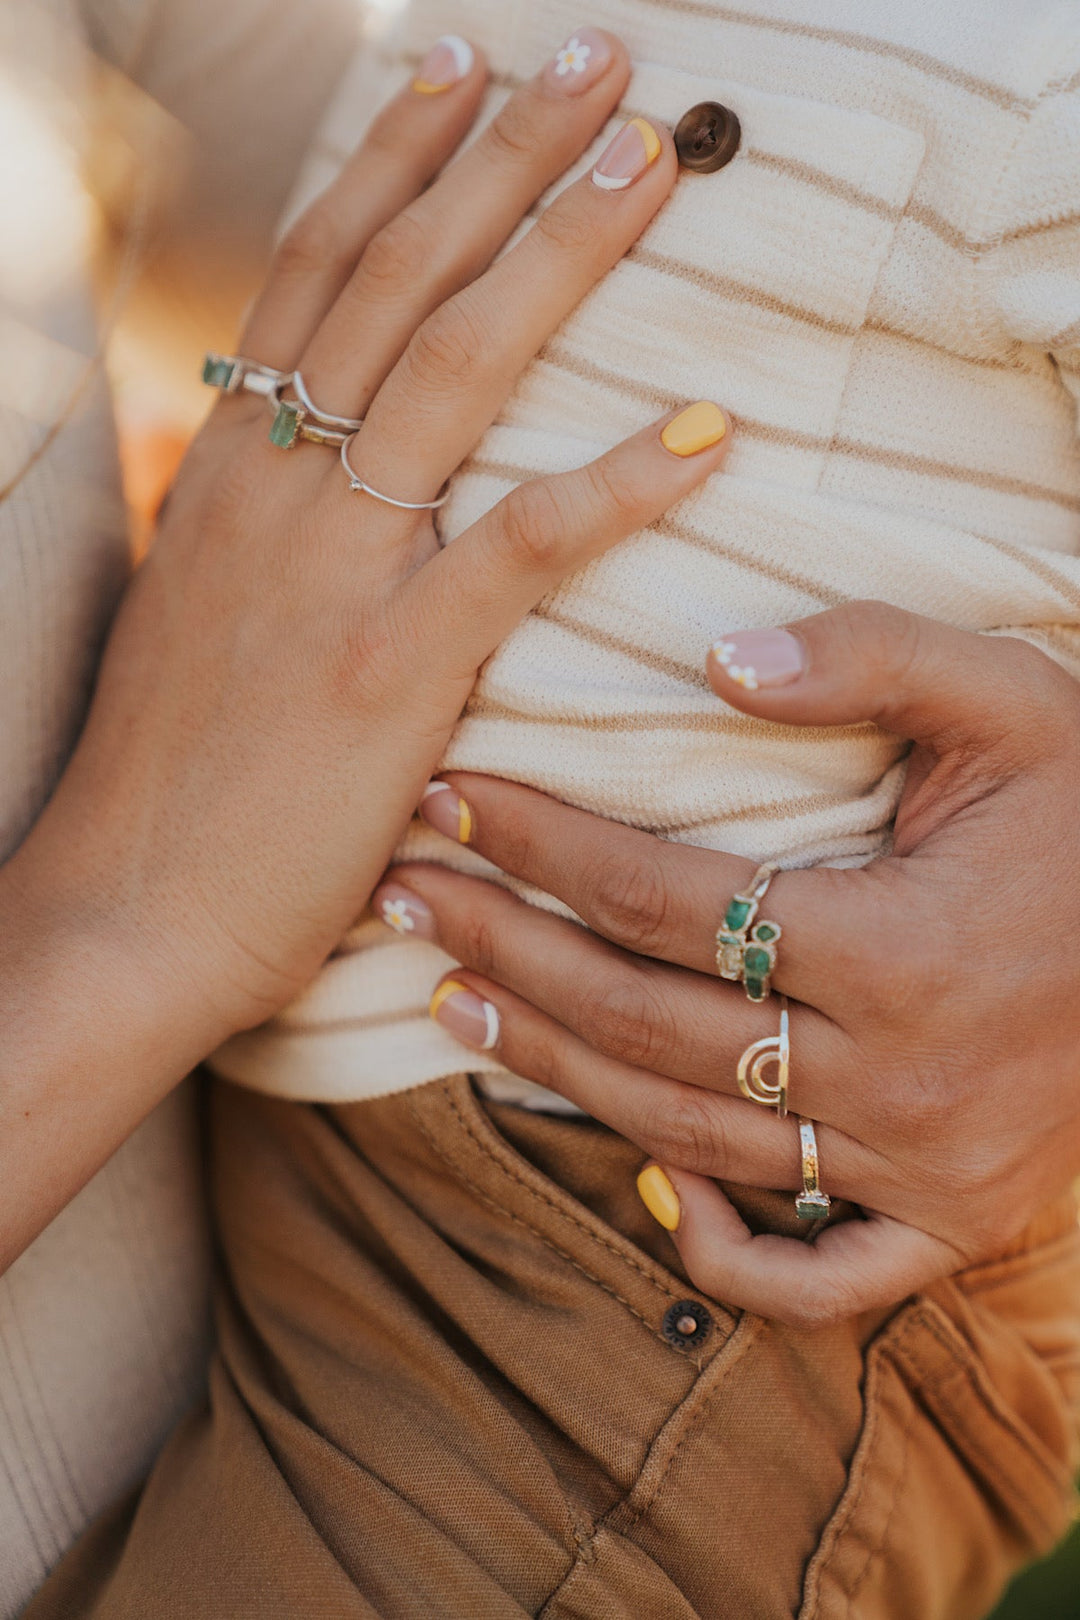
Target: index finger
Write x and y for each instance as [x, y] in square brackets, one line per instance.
[855, 1266]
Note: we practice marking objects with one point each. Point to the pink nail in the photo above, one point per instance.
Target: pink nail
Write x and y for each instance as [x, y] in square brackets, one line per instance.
[584, 58]
[403, 911]
[627, 157]
[754, 658]
[467, 1016]
[447, 812]
[447, 63]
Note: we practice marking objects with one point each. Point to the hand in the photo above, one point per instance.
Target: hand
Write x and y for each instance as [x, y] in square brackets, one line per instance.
[289, 662]
[938, 1038]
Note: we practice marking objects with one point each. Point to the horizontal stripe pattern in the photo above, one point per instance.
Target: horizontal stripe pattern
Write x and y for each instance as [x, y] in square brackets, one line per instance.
[867, 309]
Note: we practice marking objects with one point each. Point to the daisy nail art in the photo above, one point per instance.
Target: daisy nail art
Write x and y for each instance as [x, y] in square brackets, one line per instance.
[403, 911]
[582, 60]
[755, 658]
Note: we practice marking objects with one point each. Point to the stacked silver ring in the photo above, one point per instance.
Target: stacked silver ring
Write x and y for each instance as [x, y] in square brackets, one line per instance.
[231, 372]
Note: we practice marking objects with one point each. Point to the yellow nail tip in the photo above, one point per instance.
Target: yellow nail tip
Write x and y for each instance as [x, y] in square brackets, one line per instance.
[695, 429]
[464, 822]
[659, 1197]
[423, 88]
[653, 145]
[448, 988]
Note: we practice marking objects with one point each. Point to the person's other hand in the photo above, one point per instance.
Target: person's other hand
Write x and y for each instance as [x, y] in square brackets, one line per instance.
[938, 1036]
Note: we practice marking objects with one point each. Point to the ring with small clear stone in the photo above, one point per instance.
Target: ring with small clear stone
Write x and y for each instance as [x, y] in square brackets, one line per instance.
[362, 488]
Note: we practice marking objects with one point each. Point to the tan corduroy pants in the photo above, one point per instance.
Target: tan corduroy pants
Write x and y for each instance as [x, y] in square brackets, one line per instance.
[448, 1388]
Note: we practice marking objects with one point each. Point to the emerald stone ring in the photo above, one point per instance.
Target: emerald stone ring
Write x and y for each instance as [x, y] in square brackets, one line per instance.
[231, 372]
[746, 948]
[811, 1204]
[751, 1070]
[293, 421]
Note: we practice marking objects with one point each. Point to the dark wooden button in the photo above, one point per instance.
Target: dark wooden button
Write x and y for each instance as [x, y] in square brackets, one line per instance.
[707, 137]
[686, 1324]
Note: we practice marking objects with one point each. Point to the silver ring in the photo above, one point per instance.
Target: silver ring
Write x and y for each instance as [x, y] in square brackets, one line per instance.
[327, 418]
[811, 1204]
[357, 483]
[231, 372]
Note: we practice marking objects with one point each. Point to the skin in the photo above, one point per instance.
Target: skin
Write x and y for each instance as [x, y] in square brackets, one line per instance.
[935, 1024]
[260, 733]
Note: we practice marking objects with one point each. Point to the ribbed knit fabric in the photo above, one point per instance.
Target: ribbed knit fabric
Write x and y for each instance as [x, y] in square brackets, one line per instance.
[884, 288]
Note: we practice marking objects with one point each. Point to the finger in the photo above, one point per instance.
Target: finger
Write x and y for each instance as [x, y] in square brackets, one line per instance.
[489, 578]
[945, 688]
[684, 1126]
[645, 1014]
[463, 361]
[410, 140]
[653, 897]
[450, 233]
[855, 1266]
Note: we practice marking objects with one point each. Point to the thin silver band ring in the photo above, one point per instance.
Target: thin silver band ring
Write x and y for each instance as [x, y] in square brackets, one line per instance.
[358, 484]
[327, 418]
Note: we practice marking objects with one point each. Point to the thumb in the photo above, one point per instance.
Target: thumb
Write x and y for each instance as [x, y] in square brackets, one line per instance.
[868, 661]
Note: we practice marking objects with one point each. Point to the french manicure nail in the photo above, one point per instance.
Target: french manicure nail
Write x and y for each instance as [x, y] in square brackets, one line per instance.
[446, 811]
[584, 58]
[403, 911]
[659, 1197]
[467, 1016]
[695, 429]
[627, 157]
[754, 658]
[446, 64]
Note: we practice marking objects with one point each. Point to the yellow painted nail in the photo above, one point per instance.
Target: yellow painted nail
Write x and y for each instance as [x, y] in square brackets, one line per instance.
[659, 1197]
[445, 65]
[649, 136]
[694, 429]
[448, 988]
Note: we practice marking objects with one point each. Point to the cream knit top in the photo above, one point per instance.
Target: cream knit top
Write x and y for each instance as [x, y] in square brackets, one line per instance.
[884, 289]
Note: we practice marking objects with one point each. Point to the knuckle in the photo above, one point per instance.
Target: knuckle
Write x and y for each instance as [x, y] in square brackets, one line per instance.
[631, 1019]
[611, 494]
[512, 136]
[446, 354]
[688, 1133]
[533, 526]
[476, 943]
[629, 902]
[397, 256]
[309, 246]
[567, 229]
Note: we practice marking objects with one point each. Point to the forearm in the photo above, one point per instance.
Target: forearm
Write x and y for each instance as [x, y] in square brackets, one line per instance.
[97, 1022]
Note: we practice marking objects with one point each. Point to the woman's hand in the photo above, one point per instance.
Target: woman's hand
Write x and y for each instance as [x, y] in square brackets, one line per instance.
[290, 660]
[938, 1038]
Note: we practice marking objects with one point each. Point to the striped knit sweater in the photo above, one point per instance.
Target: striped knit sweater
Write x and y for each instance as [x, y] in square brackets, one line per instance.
[884, 288]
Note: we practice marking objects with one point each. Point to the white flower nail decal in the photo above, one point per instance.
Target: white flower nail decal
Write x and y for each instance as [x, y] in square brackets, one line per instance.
[395, 914]
[741, 674]
[572, 58]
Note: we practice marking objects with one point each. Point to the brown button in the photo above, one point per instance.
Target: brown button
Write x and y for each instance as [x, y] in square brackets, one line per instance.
[686, 1324]
[707, 137]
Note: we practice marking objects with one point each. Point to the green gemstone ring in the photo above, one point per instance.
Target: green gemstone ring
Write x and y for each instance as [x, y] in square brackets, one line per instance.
[746, 948]
[231, 372]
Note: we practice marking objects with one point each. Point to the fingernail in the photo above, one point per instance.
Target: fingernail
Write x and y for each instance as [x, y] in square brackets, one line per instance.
[403, 911]
[659, 1197]
[584, 58]
[446, 811]
[694, 429]
[467, 1016]
[447, 63]
[756, 658]
[627, 157]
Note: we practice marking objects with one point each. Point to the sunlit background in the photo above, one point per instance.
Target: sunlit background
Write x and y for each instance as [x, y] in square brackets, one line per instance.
[103, 177]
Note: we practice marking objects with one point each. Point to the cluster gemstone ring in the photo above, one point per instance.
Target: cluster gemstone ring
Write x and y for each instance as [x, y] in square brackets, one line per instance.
[745, 947]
